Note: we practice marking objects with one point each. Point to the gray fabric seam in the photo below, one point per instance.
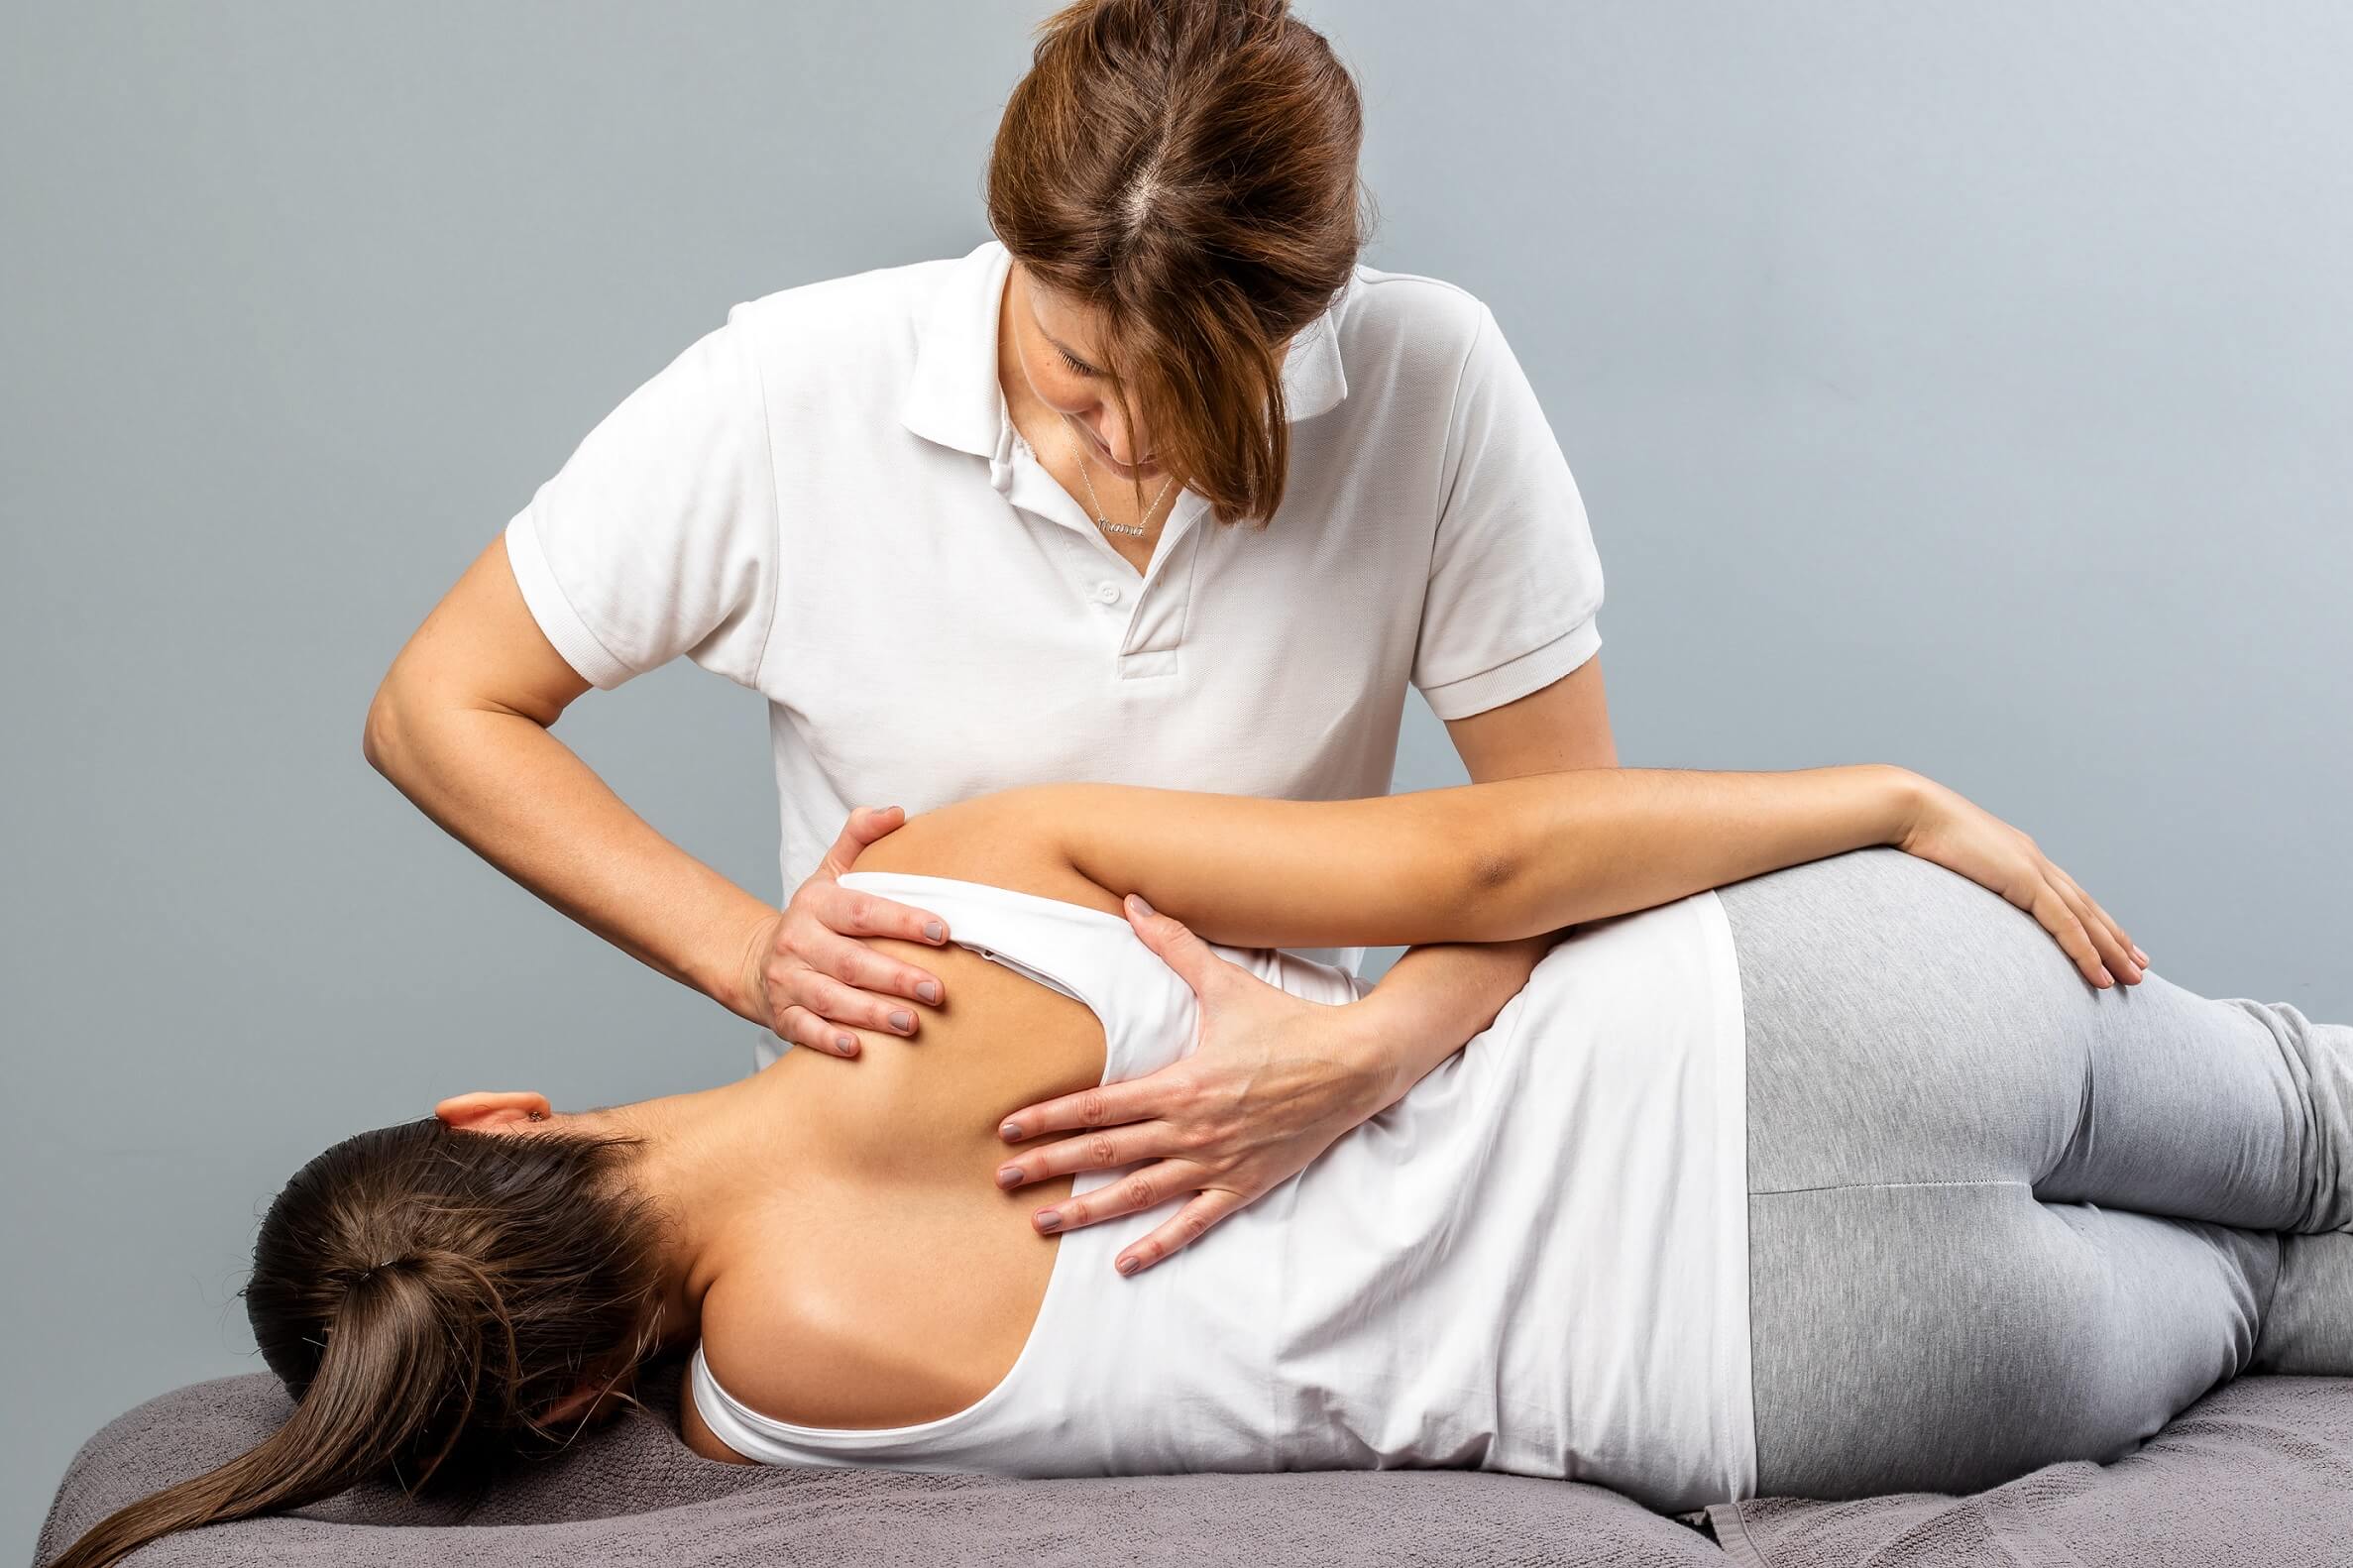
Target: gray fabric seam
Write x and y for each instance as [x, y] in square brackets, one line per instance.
[1846, 1187]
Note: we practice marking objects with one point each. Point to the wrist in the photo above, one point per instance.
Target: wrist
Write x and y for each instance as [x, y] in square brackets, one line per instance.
[1903, 800]
[1371, 1030]
[736, 983]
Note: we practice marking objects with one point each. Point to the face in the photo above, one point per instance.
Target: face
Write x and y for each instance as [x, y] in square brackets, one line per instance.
[1055, 345]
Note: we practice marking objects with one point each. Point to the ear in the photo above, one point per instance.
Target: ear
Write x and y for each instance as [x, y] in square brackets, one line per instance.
[590, 1400]
[493, 1111]
[571, 1405]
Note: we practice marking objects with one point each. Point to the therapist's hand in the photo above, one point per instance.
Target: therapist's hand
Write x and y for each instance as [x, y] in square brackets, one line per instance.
[807, 976]
[1275, 1079]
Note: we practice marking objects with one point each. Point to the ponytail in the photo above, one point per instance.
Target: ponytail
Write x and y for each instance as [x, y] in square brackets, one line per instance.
[421, 1292]
[380, 1381]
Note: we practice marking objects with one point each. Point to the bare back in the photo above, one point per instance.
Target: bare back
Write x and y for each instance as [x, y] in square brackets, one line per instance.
[889, 1280]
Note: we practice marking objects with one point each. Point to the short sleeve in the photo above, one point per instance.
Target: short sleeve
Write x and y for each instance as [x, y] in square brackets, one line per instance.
[659, 534]
[1514, 579]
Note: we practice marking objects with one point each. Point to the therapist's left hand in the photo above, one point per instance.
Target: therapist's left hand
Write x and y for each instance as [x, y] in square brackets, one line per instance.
[1275, 1079]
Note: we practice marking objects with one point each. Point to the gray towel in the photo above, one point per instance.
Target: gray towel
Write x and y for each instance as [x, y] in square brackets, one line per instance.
[632, 1493]
[2259, 1473]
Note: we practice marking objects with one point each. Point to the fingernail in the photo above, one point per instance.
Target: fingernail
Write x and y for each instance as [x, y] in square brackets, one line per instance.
[1048, 1220]
[2105, 978]
[1127, 1265]
[903, 1020]
[1141, 907]
[2139, 957]
[1010, 1131]
[929, 991]
[1008, 1176]
[844, 1042]
[933, 930]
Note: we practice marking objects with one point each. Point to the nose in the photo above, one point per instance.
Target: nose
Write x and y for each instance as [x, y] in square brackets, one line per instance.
[1118, 443]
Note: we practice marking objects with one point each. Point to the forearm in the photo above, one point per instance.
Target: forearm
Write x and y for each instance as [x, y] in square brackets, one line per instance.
[1431, 1002]
[1670, 833]
[1485, 863]
[504, 786]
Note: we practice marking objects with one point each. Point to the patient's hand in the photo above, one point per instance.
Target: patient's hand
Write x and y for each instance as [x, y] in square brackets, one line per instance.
[1275, 1079]
[1960, 836]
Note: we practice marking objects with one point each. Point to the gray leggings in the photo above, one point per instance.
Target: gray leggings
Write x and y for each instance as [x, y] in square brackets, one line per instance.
[1998, 1218]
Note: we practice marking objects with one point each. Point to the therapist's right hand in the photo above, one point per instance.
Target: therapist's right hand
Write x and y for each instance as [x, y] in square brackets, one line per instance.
[809, 978]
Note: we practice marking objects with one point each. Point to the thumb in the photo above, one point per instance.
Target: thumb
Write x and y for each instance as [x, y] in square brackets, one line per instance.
[1172, 939]
[862, 827]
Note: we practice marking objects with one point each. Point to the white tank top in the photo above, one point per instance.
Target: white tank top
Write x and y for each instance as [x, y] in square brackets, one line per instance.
[1535, 1262]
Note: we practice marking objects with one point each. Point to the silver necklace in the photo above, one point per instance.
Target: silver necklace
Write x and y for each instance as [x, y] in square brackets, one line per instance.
[1102, 520]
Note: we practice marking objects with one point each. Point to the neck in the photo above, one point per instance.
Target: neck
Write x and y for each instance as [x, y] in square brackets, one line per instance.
[691, 1166]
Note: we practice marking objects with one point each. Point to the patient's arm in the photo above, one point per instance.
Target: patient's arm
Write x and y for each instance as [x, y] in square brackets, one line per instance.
[1475, 863]
[1500, 860]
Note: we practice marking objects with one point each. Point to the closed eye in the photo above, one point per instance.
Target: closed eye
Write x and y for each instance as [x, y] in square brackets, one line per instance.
[1079, 366]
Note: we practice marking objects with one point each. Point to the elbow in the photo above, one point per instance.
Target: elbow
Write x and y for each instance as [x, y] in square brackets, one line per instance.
[1485, 899]
[1497, 896]
[380, 734]
[1492, 871]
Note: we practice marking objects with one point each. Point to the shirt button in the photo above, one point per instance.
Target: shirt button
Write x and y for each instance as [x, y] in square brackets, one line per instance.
[1107, 592]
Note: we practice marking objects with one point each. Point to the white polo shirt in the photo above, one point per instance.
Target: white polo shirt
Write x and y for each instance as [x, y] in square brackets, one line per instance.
[825, 499]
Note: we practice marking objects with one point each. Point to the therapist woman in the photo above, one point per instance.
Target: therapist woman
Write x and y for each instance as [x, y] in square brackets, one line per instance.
[1157, 485]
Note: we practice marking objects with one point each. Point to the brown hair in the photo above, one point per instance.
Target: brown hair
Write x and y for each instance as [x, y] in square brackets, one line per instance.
[1187, 168]
[422, 1291]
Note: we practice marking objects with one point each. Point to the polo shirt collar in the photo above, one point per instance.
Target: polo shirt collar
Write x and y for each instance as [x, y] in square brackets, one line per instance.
[954, 397]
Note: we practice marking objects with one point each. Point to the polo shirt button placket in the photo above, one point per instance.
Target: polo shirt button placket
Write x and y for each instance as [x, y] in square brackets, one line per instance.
[1107, 593]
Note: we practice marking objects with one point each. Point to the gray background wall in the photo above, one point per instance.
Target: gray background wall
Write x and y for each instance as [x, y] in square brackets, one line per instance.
[1965, 387]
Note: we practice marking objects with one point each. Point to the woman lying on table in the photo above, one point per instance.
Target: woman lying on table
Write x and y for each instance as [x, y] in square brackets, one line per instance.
[1800, 1165]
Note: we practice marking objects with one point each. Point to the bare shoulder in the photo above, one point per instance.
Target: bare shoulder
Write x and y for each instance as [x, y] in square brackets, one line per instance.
[693, 1431]
[832, 1332]
[1009, 838]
